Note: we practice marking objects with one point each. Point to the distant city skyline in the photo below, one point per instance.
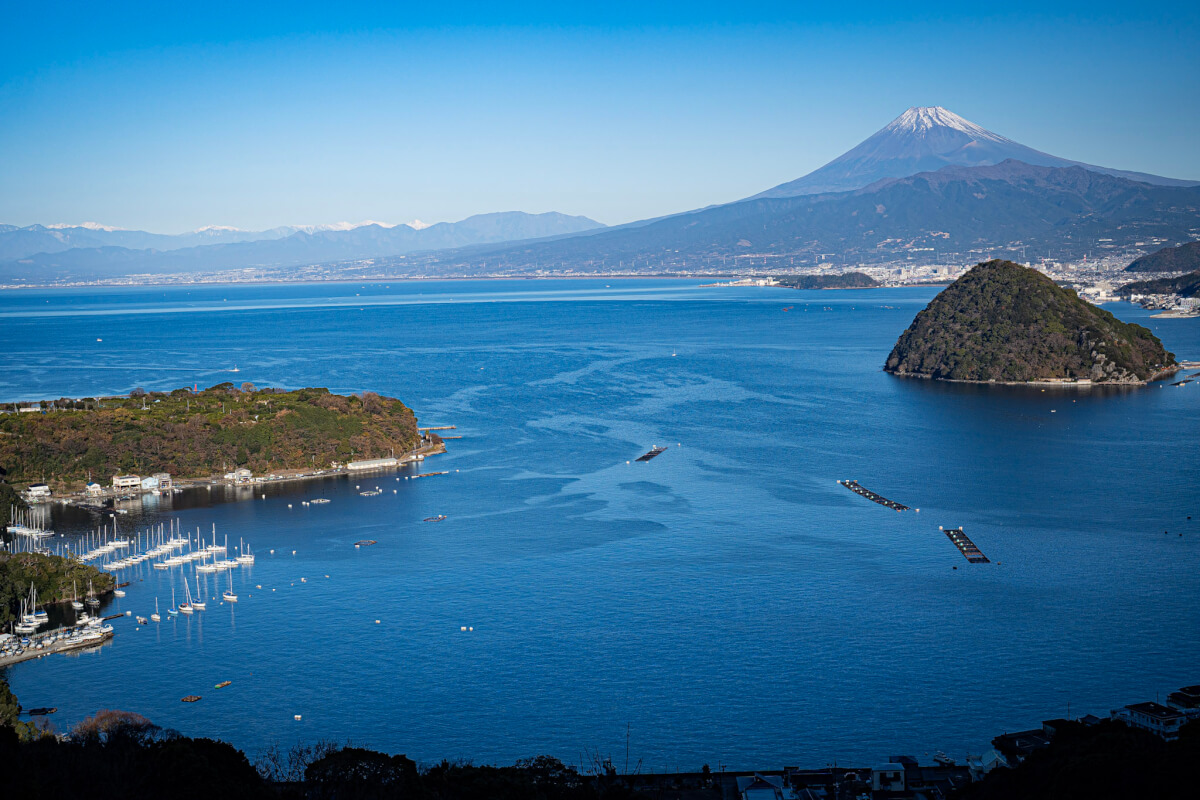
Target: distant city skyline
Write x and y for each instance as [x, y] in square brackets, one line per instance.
[156, 119]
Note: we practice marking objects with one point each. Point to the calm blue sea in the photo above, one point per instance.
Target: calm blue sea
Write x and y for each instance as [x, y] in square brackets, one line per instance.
[726, 603]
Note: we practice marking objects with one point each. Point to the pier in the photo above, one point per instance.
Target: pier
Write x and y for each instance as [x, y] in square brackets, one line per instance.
[965, 545]
[655, 451]
[874, 498]
[439, 428]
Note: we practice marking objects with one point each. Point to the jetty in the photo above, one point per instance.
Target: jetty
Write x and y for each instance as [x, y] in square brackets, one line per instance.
[965, 545]
[655, 451]
[862, 491]
[439, 428]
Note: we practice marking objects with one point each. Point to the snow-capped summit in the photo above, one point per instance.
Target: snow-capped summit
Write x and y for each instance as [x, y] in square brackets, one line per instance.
[922, 120]
[925, 139]
[91, 226]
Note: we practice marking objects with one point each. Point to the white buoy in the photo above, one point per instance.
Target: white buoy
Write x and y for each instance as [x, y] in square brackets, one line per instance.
[293, 552]
[463, 628]
[289, 505]
[272, 552]
[297, 717]
[376, 622]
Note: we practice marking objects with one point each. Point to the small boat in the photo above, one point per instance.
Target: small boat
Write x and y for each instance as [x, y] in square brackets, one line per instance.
[438, 518]
[228, 596]
[118, 592]
[371, 493]
[222, 684]
[75, 601]
[142, 621]
[364, 543]
[156, 616]
[41, 712]
[191, 698]
[319, 500]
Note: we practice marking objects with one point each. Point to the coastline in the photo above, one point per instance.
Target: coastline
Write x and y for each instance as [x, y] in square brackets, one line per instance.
[1075, 384]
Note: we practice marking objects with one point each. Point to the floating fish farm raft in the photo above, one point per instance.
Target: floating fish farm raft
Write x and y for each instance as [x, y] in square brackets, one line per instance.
[965, 545]
[654, 451]
[874, 498]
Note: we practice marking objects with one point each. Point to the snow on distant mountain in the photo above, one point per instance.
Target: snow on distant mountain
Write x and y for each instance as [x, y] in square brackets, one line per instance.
[278, 247]
[924, 140]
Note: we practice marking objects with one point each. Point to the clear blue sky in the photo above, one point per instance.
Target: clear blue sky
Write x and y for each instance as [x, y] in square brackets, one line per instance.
[215, 113]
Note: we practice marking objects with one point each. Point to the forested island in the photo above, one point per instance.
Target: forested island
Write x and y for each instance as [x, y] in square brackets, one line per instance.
[1005, 323]
[199, 434]
[844, 280]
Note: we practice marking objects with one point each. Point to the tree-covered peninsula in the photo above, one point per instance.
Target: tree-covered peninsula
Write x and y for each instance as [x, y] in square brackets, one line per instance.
[199, 434]
[842, 280]
[1002, 322]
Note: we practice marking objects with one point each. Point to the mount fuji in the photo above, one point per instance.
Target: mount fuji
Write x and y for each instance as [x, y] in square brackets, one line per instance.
[925, 140]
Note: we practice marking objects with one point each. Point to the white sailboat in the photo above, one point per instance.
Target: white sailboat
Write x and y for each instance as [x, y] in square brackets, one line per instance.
[173, 611]
[156, 616]
[197, 603]
[186, 606]
[228, 596]
[245, 556]
[76, 603]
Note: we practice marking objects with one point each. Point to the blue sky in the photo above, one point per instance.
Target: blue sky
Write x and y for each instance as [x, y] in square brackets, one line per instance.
[227, 114]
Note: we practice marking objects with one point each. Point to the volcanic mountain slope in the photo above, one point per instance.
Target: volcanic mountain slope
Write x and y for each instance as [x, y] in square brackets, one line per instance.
[1002, 322]
[924, 140]
[954, 214]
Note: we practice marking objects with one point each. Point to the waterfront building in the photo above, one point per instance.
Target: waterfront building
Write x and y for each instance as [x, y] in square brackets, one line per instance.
[150, 483]
[887, 778]
[38, 490]
[127, 482]
[94, 489]
[1160, 720]
[164, 480]
[373, 463]
[761, 787]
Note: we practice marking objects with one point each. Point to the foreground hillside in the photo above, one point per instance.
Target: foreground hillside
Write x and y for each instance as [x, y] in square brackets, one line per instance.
[200, 434]
[1007, 323]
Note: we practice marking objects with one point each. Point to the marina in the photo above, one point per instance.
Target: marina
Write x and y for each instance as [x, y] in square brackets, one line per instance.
[862, 491]
[965, 545]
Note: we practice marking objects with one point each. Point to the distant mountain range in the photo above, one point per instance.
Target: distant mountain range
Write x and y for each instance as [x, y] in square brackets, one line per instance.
[88, 253]
[930, 187]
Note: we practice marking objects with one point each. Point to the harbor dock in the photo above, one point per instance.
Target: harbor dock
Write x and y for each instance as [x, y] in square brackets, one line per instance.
[855, 487]
[965, 545]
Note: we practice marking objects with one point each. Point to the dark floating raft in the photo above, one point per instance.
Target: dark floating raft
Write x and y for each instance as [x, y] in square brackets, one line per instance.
[965, 545]
[364, 543]
[654, 451]
[438, 518]
[41, 712]
[191, 698]
[874, 498]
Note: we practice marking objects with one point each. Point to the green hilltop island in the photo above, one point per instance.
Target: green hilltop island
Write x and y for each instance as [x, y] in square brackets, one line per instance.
[200, 435]
[1005, 323]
